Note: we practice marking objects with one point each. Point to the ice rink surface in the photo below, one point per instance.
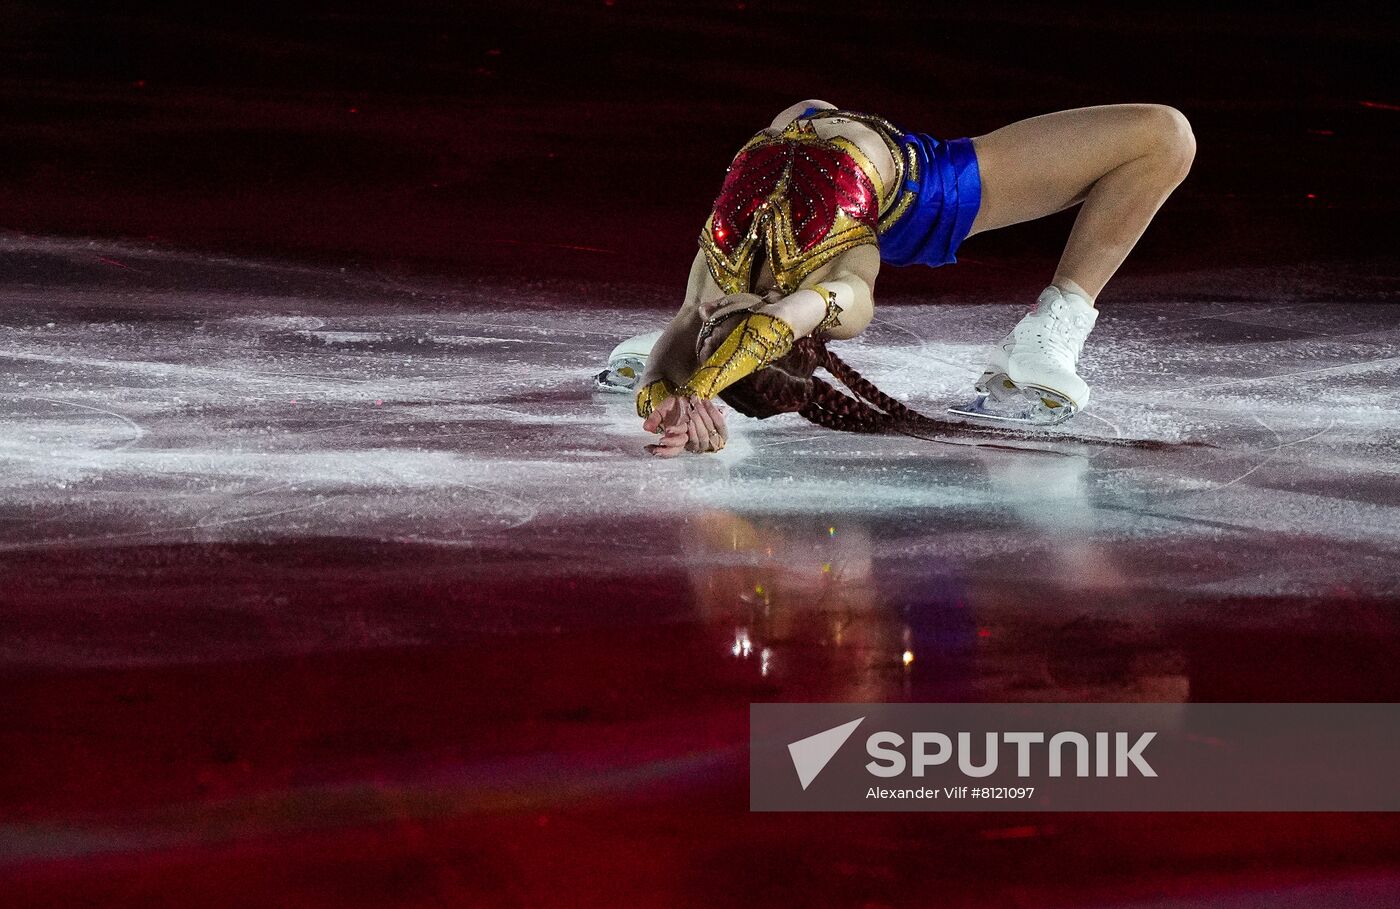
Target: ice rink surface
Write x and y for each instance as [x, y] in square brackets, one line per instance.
[298, 549]
[156, 398]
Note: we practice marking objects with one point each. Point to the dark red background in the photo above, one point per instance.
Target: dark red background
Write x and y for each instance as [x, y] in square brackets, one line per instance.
[583, 140]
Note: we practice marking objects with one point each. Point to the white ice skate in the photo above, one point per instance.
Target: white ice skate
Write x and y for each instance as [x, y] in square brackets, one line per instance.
[1030, 378]
[994, 380]
[626, 364]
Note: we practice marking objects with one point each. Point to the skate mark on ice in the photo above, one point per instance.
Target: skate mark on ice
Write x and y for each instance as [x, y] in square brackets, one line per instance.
[1117, 431]
[1339, 367]
[210, 377]
[102, 539]
[1174, 318]
[1321, 432]
[792, 441]
[919, 341]
[325, 500]
[923, 343]
[203, 521]
[529, 509]
[531, 329]
[277, 323]
[140, 432]
[1272, 453]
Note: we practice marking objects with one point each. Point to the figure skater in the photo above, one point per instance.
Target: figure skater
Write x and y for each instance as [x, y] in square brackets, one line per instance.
[813, 204]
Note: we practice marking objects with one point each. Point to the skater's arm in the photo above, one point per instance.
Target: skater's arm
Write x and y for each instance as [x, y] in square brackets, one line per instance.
[851, 278]
[851, 275]
[673, 356]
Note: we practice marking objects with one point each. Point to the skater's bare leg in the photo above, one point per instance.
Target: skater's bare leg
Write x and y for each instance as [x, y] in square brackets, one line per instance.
[1120, 161]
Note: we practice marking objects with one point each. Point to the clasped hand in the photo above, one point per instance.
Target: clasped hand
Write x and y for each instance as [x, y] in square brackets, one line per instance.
[686, 424]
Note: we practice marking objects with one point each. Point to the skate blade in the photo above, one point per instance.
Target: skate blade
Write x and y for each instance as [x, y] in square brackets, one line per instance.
[1027, 407]
[1050, 406]
[621, 376]
[607, 381]
[998, 385]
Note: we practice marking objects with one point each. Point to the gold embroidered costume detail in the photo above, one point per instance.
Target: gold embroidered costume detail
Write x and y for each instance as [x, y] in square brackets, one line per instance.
[832, 317]
[652, 395]
[755, 342]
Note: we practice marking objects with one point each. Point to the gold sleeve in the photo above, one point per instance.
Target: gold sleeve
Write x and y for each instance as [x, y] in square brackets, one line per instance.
[754, 343]
[652, 394]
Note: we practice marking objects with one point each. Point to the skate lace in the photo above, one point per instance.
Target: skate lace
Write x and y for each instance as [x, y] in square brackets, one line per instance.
[1063, 334]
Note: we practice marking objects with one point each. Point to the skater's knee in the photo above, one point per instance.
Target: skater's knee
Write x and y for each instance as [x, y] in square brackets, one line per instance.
[1169, 139]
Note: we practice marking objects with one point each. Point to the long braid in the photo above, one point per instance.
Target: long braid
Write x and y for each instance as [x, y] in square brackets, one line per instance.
[789, 385]
[867, 390]
[830, 407]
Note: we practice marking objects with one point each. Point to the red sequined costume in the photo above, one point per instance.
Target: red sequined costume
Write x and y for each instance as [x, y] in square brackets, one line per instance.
[803, 199]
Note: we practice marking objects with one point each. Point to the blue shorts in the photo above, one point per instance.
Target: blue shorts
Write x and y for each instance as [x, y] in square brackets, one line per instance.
[947, 194]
